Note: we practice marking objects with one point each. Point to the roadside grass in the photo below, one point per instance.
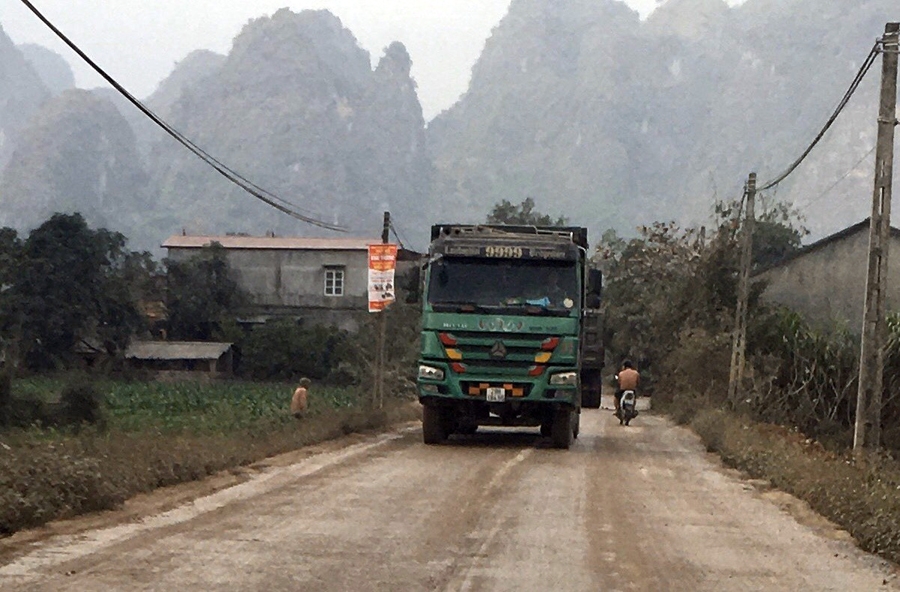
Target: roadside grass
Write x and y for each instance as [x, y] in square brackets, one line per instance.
[862, 497]
[159, 434]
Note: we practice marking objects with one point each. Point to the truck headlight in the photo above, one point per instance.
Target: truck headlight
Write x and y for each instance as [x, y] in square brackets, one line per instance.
[564, 379]
[431, 373]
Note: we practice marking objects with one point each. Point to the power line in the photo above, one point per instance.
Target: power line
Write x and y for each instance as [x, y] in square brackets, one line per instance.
[253, 189]
[844, 176]
[864, 69]
[397, 235]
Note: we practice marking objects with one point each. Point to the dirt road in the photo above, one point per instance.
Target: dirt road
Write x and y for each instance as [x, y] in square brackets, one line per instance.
[638, 508]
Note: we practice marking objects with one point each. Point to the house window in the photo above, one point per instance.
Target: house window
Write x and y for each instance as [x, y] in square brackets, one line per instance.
[334, 281]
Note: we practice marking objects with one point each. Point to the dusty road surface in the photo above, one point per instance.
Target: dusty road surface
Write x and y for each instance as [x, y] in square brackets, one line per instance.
[637, 508]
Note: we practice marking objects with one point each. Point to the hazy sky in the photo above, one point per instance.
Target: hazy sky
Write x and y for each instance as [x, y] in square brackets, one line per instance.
[139, 41]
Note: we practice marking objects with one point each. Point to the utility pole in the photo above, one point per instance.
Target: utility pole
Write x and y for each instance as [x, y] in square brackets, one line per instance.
[739, 338]
[867, 429]
[382, 329]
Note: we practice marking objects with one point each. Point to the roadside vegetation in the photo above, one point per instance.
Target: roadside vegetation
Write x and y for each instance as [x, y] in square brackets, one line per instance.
[149, 435]
[670, 298]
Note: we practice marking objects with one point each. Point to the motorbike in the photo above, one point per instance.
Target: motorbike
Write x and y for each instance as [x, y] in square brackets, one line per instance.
[628, 407]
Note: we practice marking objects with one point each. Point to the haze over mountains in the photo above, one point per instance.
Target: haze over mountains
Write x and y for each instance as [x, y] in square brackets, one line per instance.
[597, 115]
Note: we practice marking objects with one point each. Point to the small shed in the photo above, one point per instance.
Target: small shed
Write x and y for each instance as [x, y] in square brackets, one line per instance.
[179, 358]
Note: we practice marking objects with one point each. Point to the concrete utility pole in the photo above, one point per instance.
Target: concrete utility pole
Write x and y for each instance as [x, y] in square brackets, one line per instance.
[382, 329]
[739, 338]
[867, 432]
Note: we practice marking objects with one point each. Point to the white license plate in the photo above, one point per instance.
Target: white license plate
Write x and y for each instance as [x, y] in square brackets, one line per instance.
[496, 395]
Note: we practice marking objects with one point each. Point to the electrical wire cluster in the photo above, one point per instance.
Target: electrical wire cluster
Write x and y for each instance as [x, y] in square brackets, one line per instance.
[253, 189]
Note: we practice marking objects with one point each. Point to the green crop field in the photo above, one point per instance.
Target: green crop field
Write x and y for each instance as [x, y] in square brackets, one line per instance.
[195, 406]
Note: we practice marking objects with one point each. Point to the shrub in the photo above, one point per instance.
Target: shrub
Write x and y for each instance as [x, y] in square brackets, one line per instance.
[80, 403]
[48, 481]
[699, 367]
[5, 398]
[811, 374]
[283, 350]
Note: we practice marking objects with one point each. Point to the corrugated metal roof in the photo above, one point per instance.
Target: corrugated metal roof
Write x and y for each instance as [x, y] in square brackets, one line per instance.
[176, 350]
[270, 242]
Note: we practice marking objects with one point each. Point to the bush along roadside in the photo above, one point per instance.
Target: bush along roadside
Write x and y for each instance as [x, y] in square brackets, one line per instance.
[47, 475]
[861, 497]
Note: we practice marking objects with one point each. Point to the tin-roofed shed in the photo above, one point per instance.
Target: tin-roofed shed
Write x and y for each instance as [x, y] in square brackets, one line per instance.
[209, 359]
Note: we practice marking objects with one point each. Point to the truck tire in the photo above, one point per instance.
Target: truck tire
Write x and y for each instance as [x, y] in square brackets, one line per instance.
[561, 432]
[576, 425]
[434, 429]
[467, 429]
[590, 397]
[591, 383]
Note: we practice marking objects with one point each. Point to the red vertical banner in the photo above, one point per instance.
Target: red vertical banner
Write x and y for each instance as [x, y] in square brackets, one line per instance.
[382, 263]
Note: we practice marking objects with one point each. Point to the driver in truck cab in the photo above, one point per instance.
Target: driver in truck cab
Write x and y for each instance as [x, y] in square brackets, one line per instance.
[627, 379]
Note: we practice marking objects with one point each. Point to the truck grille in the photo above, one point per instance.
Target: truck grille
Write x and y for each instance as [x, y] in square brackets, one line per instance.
[500, 354]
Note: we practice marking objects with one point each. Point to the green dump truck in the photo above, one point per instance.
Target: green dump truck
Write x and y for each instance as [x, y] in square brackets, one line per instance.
[511, 331]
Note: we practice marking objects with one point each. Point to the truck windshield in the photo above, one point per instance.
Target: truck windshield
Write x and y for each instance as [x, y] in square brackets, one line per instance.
[550, 285]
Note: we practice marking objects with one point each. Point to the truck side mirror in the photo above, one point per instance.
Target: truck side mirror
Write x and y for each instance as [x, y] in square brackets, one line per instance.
[594, 287]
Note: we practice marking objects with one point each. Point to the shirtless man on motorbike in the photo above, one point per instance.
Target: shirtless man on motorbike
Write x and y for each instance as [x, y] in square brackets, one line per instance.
[627, 379]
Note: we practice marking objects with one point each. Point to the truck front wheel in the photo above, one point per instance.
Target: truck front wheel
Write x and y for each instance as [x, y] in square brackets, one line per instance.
[434, 426]
[562, 429]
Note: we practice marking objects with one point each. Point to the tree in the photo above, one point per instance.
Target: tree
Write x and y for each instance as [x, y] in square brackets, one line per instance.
[524, 213]
[671, 286]
[69, 285]
[282, 350]
[202, 295]
[651, 289]
[10, 261]
[779, 232]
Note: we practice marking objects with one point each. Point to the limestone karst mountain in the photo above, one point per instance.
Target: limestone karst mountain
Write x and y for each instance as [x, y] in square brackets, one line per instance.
[615, 122]
[193, 69]
[297, 107]
[77, 155]
[54, 71]
[600, 117]
[22, 92]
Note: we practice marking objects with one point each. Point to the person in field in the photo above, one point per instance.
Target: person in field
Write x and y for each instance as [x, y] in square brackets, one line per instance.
[299, 402]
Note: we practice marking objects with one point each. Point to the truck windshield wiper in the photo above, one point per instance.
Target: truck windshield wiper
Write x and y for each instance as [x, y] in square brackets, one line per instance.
[537, 310]
[457, 307]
